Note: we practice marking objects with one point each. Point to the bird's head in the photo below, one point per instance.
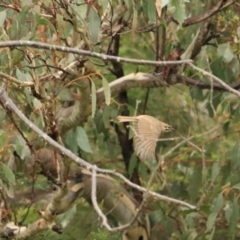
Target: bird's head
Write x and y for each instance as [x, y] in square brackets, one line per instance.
[167, 128]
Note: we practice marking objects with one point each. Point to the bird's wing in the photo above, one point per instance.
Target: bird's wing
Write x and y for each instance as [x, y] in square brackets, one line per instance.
[145, 149]
[146, 136]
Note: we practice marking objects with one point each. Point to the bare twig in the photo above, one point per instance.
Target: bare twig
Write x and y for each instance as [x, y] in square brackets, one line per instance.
[41, 45]
[218, 80]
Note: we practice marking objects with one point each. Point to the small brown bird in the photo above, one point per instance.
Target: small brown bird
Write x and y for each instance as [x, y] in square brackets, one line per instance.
[147, 131]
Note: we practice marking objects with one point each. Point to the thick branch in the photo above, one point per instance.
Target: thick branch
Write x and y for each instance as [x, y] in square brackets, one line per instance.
[105, 57]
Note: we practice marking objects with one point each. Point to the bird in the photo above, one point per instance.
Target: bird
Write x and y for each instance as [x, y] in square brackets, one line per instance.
[146, 130]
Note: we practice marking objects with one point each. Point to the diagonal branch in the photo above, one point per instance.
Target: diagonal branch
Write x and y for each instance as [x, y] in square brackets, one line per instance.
[215, 9]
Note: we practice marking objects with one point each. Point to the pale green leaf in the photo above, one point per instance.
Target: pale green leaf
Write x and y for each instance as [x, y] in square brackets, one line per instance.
[215, 171]
[103, 3]
[211, 221]
[94, 98]
[3, 16]
[94, 24]
[20, 75]
[225, 51]
[107, 91]
[82, 140]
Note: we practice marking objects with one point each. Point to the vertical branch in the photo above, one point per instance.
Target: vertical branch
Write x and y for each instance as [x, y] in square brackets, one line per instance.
[125, 143]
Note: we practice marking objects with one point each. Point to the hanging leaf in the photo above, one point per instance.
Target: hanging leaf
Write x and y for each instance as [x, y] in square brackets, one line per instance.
[107, 91]
[94, 24]
[94, 98]
[8, 173]
[70, 141]
[195, 183]
[234, 217]
[215, 171]
[217, 203]
[3, 16]
[211, 221]
[149, 10]
[235, 155]
[82, 140]
[132, 164]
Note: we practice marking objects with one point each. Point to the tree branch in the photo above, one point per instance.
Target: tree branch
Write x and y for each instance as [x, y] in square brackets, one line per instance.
[40, 45]
[215, 9]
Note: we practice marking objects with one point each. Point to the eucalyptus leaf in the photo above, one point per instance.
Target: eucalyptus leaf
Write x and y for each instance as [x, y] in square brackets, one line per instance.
[235, 155]
[234, 217]
[215, 171]
[94, 98]
[211, 221]
[132, 164]
[94, 24]
[217, 203]
[107, 91]
[82, 140]
[3, 16]
[8, 173]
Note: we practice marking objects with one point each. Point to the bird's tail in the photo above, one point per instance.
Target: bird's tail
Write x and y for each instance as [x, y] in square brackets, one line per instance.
[126, 119]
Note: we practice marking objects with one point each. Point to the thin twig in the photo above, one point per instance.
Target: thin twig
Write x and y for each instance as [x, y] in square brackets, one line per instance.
[221, 82]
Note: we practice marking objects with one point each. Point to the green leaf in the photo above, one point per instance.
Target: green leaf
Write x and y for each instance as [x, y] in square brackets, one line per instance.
[132, 164]
[106, 116]
[235, 155]
[8, 173]
[151, 11]
[179, 13]
[107, 91]
[94, 98]
[217, 204]
[82, 140]
[3, 16]
[103, 3]
[195, 183]
[211, 221]
[215, 171]
[234, 217]
[156, 216]
[94, 24]
[70, 141]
